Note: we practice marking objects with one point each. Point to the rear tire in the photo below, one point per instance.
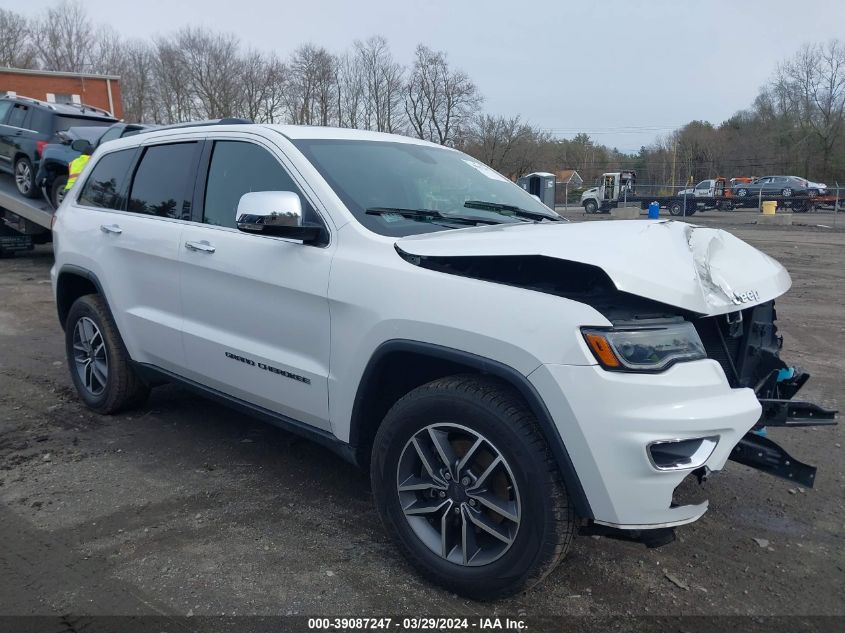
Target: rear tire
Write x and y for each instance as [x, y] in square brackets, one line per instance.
[99, 363]
[483, 418]
[676, 208]
[25, 178]
[742, 192]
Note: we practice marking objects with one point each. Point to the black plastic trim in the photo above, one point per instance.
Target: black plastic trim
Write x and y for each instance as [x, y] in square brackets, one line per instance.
[71, 269]
[494, 368]
[323, 438]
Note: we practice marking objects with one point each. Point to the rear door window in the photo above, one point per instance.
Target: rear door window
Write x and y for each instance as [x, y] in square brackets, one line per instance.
[106, 185]
[17, 117]
[164, 181]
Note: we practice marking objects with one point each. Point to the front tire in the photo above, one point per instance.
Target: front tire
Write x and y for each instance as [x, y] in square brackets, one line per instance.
[98, 361]
[57, 191]
[590, 206]
[465, 484]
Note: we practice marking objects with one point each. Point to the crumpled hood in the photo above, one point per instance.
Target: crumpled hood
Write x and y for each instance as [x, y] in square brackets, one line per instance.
[703, 270]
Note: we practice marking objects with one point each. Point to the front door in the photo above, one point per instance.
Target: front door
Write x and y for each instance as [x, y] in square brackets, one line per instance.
[256, 315]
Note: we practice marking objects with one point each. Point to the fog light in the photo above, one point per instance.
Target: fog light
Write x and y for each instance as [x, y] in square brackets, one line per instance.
[681, 454]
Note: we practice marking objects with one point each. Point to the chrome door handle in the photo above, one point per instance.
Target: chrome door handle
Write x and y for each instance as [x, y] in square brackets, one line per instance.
[201, 247]
[111, 228]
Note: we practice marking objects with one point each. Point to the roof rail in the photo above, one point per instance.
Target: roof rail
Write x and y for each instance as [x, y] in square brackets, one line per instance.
[13, 95]
[85, 106]
[206, 123]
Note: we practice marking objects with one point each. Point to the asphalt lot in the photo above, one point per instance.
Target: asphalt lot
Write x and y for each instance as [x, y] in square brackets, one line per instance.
[185, 507]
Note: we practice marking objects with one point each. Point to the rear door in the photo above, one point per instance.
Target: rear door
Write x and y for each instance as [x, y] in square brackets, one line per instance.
[256, 314]
[133, 233]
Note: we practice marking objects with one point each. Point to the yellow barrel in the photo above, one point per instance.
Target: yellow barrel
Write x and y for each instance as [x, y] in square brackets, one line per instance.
[769, 207]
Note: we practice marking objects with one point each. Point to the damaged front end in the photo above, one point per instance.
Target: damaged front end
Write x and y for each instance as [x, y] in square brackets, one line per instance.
[747, 346]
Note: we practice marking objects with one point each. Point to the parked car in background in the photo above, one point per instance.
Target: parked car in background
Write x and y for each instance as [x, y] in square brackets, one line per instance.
[55, 158]
[785, 186]
[819, 188]
[28, 125]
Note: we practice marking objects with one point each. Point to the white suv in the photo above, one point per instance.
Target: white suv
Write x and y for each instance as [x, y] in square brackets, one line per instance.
[509, 378]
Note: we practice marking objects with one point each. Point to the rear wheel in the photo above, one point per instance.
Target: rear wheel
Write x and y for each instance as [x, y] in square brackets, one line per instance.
[786, 192]
[742, 192]
[25, 177]
[676, 208]
[98, 361]
[465, 484]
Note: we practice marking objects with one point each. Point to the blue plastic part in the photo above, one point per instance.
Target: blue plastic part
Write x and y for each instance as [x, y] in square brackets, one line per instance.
[654, 211]
[786, 373]
[761, 432]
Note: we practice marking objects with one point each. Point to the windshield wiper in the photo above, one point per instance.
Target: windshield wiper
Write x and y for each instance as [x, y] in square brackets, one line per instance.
[431, 214]
[517, 211]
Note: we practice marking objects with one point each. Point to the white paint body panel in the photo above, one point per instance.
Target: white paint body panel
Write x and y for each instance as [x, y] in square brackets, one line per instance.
[698, 269]
[322, 312]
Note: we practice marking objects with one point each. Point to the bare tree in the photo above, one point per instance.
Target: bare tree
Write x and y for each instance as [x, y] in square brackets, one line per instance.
[212, 66]
[438, 99]
[64, 36]
[381, 82]
[352, 110]
[811, 88]
[17, 49]
[508, 145]
[172, 101]
[312, 86]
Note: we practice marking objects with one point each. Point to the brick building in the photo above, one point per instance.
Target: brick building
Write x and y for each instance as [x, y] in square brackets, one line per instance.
[101, 91]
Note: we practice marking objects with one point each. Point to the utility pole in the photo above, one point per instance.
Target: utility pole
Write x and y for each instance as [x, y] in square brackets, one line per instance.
[674, 157]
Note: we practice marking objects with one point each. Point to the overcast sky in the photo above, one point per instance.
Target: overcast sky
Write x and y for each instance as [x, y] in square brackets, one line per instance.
[623, 71]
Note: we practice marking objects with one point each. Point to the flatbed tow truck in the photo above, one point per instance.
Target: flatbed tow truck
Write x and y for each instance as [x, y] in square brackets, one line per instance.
[24, 222]
[619, 189]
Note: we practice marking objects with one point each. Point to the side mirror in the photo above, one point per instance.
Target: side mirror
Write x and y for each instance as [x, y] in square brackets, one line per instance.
[82, 146]
[277, 213]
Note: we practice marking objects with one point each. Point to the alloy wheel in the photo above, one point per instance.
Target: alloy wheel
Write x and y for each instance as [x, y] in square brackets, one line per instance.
[89, 356]
[23, 177]
[458, 494]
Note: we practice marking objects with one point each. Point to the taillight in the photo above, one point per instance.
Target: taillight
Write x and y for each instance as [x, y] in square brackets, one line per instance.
[39, 147]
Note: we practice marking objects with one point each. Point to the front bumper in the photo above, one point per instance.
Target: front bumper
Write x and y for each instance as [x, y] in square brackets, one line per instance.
[608, 419]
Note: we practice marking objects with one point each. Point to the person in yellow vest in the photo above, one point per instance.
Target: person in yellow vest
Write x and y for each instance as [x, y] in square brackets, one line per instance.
[76, 166]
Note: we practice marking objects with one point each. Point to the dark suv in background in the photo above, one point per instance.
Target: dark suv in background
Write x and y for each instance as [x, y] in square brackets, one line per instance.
[56, 157]
[27, 125]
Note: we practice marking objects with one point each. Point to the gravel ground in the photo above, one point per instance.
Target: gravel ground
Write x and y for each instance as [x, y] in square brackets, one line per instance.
[185, 507]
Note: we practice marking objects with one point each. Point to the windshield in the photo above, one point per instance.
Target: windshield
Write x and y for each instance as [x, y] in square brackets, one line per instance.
[379, 175]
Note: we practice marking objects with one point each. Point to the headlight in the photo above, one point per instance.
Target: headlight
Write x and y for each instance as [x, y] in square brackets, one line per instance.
[644, 348]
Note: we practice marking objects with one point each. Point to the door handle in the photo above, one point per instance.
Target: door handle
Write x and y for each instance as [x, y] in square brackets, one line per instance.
[200, 247]
[111, 228]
